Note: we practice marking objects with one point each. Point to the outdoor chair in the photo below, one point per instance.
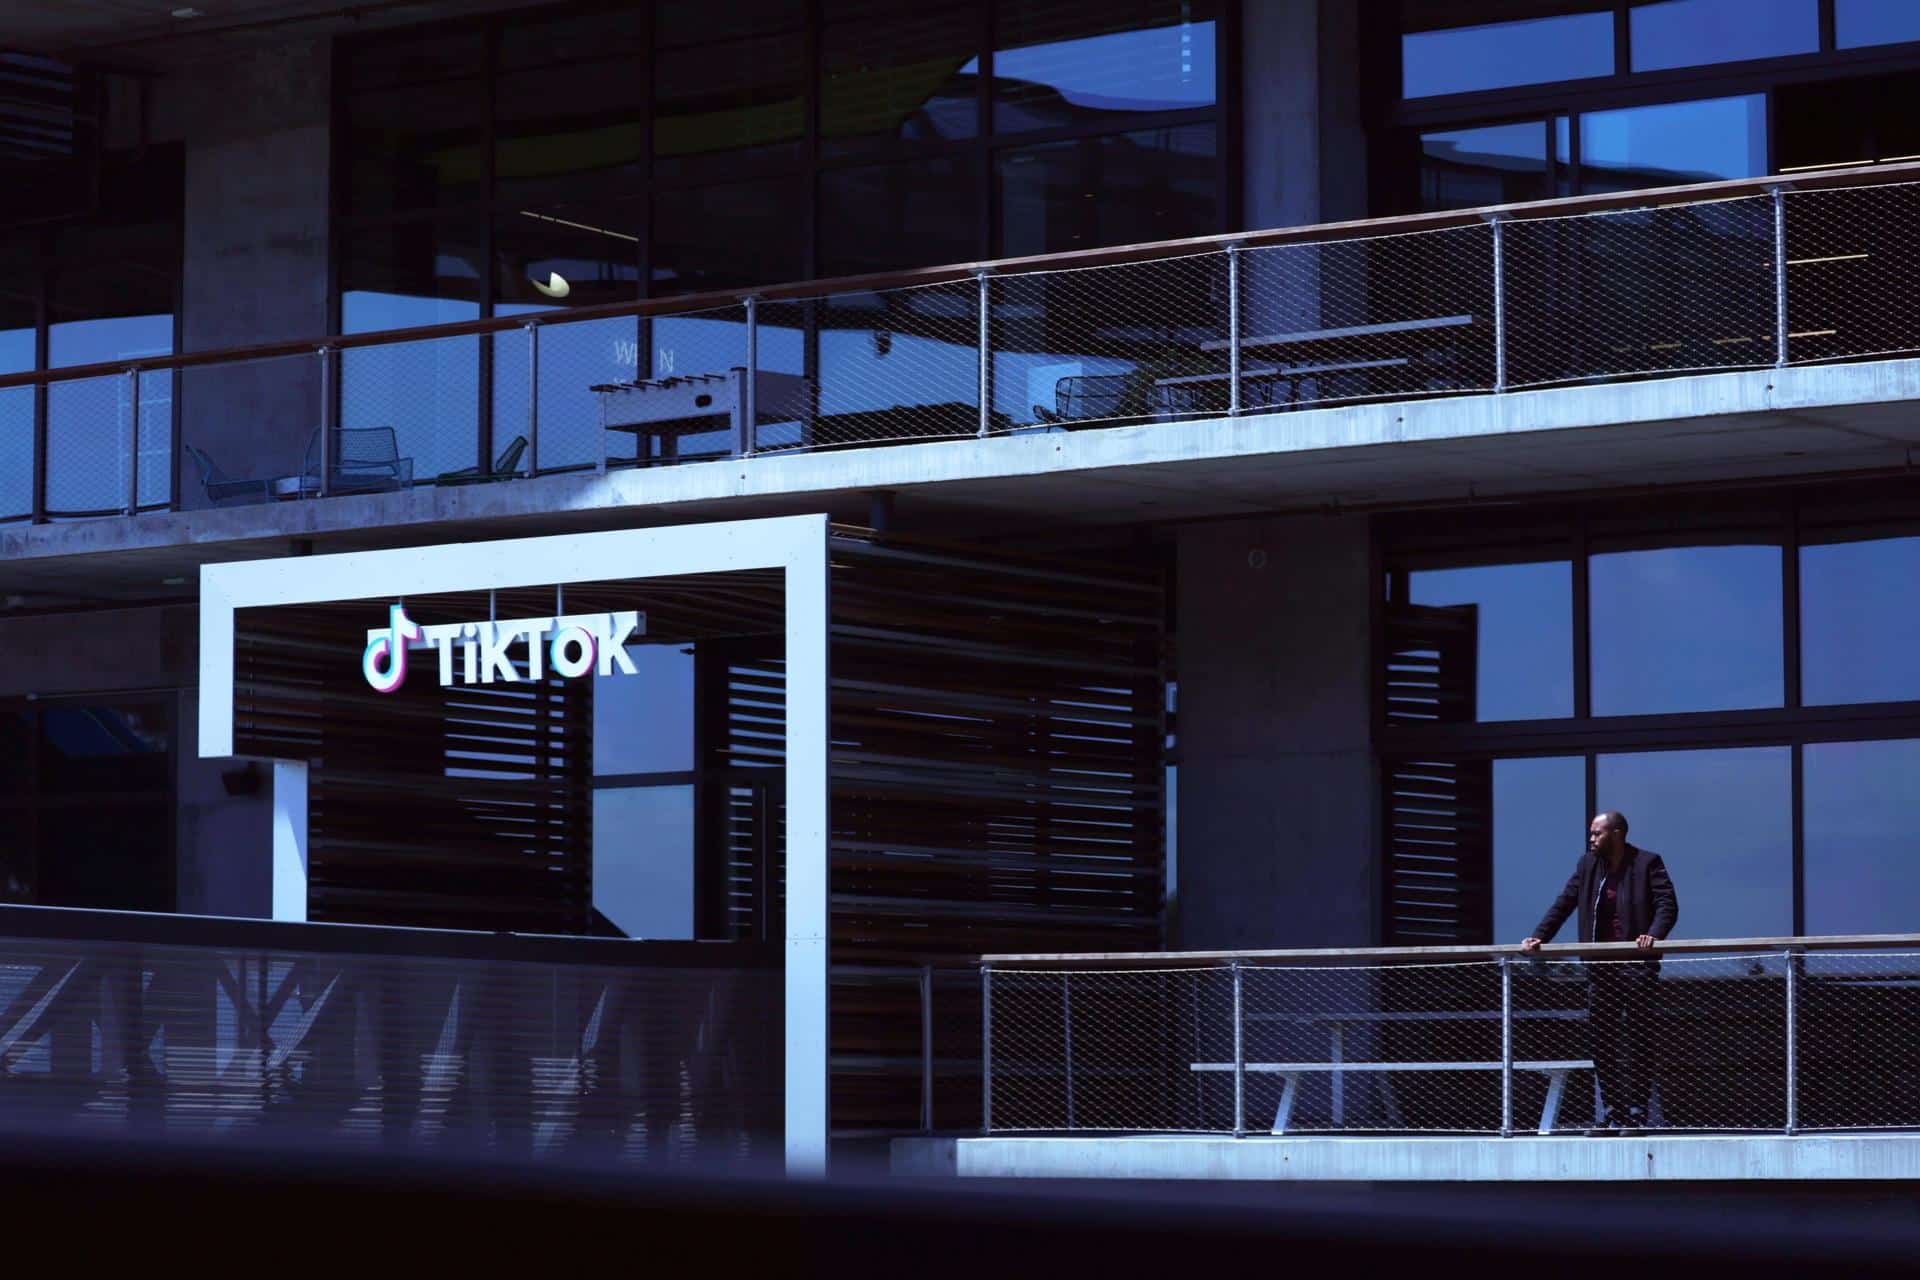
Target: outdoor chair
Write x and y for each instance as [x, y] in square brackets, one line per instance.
[505, 467]
[366, 460]
[223, 489]
[1091, 397]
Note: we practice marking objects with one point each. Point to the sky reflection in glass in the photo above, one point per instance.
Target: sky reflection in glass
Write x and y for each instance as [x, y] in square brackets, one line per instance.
[1859, 615]
[1500, 55]
[1686, 629]
[1688, 33]
[1525, 650]
[1539, 833]
[1861, 872]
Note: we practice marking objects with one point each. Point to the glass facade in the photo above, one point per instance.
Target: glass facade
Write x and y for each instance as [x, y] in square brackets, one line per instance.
[1687, 33]
[1500, 55]
[643, 795]
[1653, 671]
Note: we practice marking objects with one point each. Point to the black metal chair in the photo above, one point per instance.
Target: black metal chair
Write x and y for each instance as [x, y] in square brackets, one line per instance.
[223, 489]
[366, 460]
[1091, 397]
[505, 467]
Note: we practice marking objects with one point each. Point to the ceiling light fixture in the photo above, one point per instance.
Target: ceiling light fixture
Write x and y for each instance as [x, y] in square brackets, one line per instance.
[555, 287]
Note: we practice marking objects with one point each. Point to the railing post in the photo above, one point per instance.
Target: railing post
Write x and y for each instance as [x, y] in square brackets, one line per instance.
[1066, 1018]
[133, 446]
[1506, 1046]
[986, 359]
[1233, 330]
[743, 441]
[328, 407]
[1793, 1041]
[986, 1048]
[926, 1048]
[533, 402]
[1239, 1060]
[1779, 277]
[1499, 304]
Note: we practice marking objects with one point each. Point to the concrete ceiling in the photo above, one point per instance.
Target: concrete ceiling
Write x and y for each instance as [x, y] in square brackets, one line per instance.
[150, 33]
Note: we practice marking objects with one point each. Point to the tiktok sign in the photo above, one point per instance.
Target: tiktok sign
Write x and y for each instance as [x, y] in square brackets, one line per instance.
[569, 645]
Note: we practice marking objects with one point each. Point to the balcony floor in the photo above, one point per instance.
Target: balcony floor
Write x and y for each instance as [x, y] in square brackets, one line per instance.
[1667, 1157]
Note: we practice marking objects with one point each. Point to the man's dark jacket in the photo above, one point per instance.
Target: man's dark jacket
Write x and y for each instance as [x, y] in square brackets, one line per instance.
[1645, 898]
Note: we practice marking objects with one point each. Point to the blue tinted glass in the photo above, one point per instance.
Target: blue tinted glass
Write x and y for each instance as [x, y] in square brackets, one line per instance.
[16, 420]
[1497, 164]
[1539, 833]
[1673, 143]
[1858, 617]
[1074, 63]
[643, 860]
[1503, 54]
[1861, 874]
[1523, 631]
[1686, 629]
[90, 421]
[1723, 823]
[1687, 33]
[1861, 22]
[643, 723]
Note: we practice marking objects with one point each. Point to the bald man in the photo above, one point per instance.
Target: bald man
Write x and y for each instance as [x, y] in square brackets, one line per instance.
[1622, 893]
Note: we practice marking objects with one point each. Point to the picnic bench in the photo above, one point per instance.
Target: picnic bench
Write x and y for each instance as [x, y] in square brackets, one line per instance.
[1258, 382]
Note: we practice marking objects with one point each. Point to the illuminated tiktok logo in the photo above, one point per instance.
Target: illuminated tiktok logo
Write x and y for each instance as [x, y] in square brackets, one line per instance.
[570, 645]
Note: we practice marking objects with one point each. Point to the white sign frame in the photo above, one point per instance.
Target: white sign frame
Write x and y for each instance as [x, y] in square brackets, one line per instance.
[796, 545]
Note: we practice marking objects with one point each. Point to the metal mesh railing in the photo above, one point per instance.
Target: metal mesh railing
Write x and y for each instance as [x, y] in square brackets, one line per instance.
[643, 1055]
[1779, 1041]
[1531, 296]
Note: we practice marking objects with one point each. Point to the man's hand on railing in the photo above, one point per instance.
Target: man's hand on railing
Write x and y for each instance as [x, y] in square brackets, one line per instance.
[1530, 945]
[1645, 941]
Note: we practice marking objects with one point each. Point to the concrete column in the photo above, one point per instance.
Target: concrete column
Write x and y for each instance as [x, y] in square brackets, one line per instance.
[1278, 811]
[1304, 148]
[255, 124]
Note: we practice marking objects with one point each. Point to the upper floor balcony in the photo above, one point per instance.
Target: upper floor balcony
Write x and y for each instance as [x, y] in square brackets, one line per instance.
[1750, 275]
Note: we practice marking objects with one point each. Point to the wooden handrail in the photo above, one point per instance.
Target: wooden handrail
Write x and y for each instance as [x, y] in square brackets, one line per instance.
[1362, 228]
[1438, 955]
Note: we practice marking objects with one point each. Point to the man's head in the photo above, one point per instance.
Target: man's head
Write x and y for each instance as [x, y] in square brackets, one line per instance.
[1607, 835]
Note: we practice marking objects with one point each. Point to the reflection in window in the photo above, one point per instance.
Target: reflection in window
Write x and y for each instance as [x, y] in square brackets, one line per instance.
[1159, 184]
[570, 132]
[1500, 55]
[884, 217]
[1522, 633]
[721, 102]
[643, 723]
[1858, 617]
[1673, 143]
[1686, 629]
[1539, 834]
[1723, 822]
[1064, 62]
[1864, 22]
[906, 73]
[744, 233]
[19, 283]
[1687, 33]
[643, 860]
[416, 145]
[1497, 164]
[1861, 875]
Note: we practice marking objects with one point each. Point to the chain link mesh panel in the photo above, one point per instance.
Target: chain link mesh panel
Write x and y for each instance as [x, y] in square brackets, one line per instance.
[1694, 1043]
[1366, 318]
[89, 444]
[245, 429]
[1633, 291]
[681, 402]
[575, 357]
[426, 394]
[16, 453]
[894, 364]
[1853, 272]
[1109, 346]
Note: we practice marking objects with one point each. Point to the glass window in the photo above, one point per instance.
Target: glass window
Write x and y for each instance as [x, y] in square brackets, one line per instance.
[1861, 875]
[1858, 616]
[643, 860]
[1673, 143]
[103, 749]
[727, 237]
[1069, 62]
[1864, 22]
[406, 274]
[1522, 633]
[571, 132]
[1495, 164]
[884, 217]
[643, 723]
[1722, 820]
[1500, 55]
[897, 70]
[1686, 629]
[19, 302]
[721, 102]
[1160, 184]
[416, 145]
[1539, 833]
[1688, 33]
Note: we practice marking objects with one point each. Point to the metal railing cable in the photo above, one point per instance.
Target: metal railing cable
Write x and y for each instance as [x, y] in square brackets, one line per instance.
[1758, 274]
[1736, 1036]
